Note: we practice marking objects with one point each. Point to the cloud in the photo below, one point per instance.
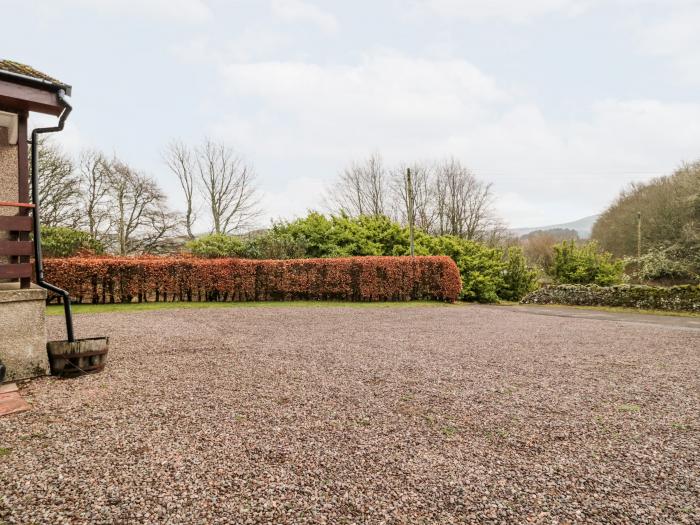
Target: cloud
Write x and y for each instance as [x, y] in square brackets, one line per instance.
[410, 108]
[300, 11]
[292, 199]
[517, 11]
[674, 35]
[251, 44]
[662, 28]
[387, 88]
[181, 10]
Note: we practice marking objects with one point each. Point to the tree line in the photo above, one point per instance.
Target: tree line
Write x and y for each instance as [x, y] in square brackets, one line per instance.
[443, 198]
[125, 211]
[660, 221]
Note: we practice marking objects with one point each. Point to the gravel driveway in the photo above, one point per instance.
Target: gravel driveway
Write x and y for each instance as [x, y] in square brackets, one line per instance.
[426, 414]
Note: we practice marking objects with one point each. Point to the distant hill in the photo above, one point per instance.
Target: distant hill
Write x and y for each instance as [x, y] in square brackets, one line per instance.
[582, 226]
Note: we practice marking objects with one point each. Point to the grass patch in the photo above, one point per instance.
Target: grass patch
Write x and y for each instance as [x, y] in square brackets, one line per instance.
[621, 309]
[449, 430]
[628, 407]
[5, 451]
[497, 433]
[148, 307]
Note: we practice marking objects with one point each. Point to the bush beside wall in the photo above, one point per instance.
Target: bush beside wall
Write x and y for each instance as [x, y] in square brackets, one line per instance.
[125, 279]
[677, 298]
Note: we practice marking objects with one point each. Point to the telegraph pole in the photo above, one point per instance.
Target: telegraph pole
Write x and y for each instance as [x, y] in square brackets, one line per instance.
[409, 192]
[639, 234]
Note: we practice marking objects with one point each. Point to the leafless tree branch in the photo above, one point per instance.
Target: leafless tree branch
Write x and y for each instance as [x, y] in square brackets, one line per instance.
[227, 185]
[180, 161]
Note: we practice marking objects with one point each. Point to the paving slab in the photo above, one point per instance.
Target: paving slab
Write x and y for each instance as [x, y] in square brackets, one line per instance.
[11, 402]
[8, 387]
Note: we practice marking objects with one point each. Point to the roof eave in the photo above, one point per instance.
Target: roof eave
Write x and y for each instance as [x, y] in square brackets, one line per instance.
[36, 82]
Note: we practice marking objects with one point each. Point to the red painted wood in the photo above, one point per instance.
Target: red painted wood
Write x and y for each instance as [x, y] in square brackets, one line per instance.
[28, 98]
[15, 271]
[16, 223]
[16, 204]
[16, 248]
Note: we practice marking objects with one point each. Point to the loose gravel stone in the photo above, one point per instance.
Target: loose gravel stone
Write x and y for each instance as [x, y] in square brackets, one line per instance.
[426, 414]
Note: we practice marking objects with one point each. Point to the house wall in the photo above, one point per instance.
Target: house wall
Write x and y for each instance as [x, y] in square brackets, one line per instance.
[22, 321]
[23, 331]
[8, 171]
[9, 190]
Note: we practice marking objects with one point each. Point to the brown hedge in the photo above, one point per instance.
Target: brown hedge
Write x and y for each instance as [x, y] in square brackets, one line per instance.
[125, 279]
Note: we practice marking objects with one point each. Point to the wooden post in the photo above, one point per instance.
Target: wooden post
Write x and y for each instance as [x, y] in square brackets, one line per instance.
[639, 234]
[409, 193]
[23, 183]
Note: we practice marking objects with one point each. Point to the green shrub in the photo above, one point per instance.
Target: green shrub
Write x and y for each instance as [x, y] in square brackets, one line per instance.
[275, 245]
[342, 236]
[488, 274]
[585, 264]
[58, 241]
[216, 245]
[519, 279]
[664, 265]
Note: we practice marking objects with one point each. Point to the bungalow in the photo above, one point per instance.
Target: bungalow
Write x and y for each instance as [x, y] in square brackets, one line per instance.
[22, 303]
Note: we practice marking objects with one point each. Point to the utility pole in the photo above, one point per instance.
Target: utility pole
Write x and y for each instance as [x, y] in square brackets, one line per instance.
[639, 234]
[409, 194]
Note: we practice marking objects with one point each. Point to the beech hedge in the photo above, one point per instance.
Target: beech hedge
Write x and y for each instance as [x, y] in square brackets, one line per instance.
[126, 279]
[676, 298]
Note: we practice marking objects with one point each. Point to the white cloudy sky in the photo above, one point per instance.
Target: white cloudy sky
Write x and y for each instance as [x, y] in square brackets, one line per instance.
[559, 103]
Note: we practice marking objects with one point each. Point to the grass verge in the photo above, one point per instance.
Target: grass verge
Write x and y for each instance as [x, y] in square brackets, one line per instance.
[614, 309]
[147, 307]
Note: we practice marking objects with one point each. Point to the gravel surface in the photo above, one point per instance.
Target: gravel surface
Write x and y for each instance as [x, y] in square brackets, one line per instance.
[444, 414]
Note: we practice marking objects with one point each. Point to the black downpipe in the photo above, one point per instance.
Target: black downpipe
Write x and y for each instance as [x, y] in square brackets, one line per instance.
[38, 259]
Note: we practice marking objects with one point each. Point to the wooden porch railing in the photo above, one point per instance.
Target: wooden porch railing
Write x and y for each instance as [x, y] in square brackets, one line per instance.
[18, 248]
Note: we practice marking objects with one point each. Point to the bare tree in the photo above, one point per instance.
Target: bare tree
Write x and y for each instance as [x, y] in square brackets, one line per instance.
[160, 228]
[59, 186]
[94, 187]
[180, 161]
[228, 186]
[447, 198]
[362, 189]
[140, 218]
[464, 204]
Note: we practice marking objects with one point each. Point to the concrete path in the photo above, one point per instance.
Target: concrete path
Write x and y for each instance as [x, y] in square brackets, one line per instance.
[672, 321]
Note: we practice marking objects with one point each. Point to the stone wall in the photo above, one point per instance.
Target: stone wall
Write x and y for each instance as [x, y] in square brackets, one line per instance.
[675, 298]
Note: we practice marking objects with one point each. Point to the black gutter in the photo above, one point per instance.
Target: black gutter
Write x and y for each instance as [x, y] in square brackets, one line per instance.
[38, 259]
[37, 82]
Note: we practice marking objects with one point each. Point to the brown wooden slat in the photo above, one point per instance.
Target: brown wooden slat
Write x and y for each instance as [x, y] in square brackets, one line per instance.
[15, 271]
[15, 248]
[16, 223]
[28, 98]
